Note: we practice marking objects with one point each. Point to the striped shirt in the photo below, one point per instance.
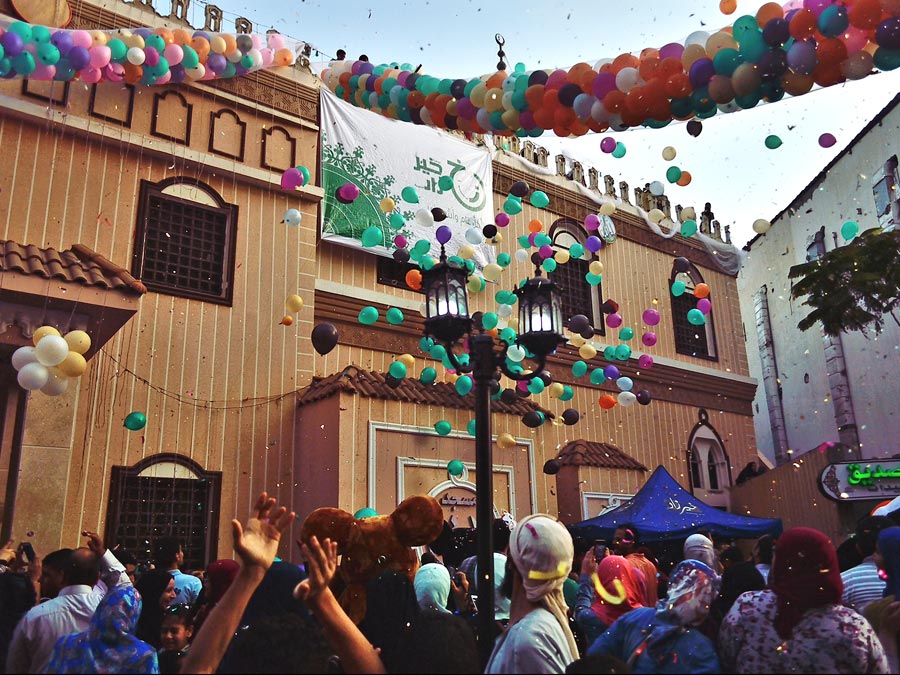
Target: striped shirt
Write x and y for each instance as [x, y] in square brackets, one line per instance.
[862, 585]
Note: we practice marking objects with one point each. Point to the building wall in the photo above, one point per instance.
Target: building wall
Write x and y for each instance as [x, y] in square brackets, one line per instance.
[842, 193]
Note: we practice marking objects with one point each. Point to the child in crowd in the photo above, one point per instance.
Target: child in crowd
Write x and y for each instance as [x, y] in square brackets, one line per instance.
[175, 637]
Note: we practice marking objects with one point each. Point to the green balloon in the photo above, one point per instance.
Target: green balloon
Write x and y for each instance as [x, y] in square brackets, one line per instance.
[773, 142]
[593, 279]
[849, 230]
[135, 421]
[396, 221]
[365, 512]
[536, 386]
[410, 195]
[549, 265]
[512, 206]
[368, 315]
[470, 427]
[568, 393]
[398, 370]
[576, 251]
[372, 236]
[689, 228]
[623, 352]
[678, 288]
[190, 58]
[445, 183]
[620, 151]
[489, 320]
[394, 316]
[696, 318]
[579, 369]
[428, 376]
[598, 376]
[539, 199]
[626, 333]
[609, 353]
[455, 467]
[673, 173]
[443, 427]
[117, 50]
[508, 335]
[463, 385]
[305, 173]
[504, 259]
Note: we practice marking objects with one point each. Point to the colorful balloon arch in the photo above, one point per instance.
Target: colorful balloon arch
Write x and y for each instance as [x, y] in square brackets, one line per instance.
[782, 50]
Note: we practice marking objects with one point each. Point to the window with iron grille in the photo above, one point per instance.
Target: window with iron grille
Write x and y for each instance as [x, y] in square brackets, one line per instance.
[393, 273]
[185, 246]
[577, 295]
[165, 496]
[698, 341]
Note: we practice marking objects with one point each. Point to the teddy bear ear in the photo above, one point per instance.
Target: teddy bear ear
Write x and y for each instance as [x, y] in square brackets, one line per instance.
[418, 520]
[327, 522]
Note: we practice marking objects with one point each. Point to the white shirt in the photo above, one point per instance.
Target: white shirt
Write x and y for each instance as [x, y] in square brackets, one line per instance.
[534, 644]
[70, 612]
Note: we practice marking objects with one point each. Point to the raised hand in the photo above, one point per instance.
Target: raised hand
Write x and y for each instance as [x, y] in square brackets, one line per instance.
[94, 542]
[257, 544]
[321, 565]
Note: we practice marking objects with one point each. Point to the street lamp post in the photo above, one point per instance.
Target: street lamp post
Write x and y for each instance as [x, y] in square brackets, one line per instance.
[447, 320]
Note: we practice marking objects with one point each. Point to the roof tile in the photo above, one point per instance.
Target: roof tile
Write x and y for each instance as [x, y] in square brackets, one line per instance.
[592, 453]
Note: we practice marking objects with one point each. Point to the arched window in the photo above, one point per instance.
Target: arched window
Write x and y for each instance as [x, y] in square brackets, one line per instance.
[696, 470]
[712, 469]
[578, 296]
[707, 458]
[692, 340]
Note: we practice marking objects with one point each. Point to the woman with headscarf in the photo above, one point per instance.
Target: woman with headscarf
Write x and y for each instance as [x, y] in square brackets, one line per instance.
[109, 644]
[432, 584]
[698, 547]
[736, 580]
[157, 589]
[666, 639]
[538, 638]
[219, 576]
[882, 614]
[797, 624]
[614, 591]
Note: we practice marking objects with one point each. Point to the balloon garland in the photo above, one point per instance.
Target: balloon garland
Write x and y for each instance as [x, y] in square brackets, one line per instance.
[137, 56]
[782, 50]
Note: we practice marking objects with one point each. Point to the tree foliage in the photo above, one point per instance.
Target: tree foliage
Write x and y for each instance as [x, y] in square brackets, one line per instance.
[852, 287]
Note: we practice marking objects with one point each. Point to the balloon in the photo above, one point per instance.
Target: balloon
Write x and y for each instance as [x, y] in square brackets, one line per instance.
[368, 315]
[51, 350]
[704, 305]
[33, 376]
[410, 195]
[761, 225]
[520, 189]
[292, 217]
[626, 399]
[695, 317]
[645, 361]
[570, 416]
[428, 375]
[324, 338]
[135, 421]
[539, 199]
[443, 427]
[773, 142]
[849, 230]
[650, 317]
[372, 236]
[689, 228]
[57, 383]
[643, 397]
[438, 214]
[678, 288]
[424, 218]
[826, 140]
[397, 369]
[42, 331]
[533, 419]
[387, 204]
[614, 320]
[608, 144]
[290, 179]
[287, 320]
[74, 365]
[701, 290]
[444, 234]
[506, 441]
[694, 128]
[455, 467]
[669, 153]
[23, 356]
[608, 401]
[620, 151]
[365, 512]
[293, 303]
[611, 372]
[552, 467]
[464, 385]
[648, 339]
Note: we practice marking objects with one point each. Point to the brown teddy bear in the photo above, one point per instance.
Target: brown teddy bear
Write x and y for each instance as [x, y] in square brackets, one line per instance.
[369, 546]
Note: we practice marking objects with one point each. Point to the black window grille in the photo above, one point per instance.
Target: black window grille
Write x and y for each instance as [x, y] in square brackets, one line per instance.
[577, 294]
[185, 248]
[696, 473]
[143, 509]
[690, 339]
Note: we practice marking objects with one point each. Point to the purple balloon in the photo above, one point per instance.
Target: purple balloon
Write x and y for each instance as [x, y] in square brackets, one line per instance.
[651, 317]
[704, 305]
[501, 219]
[366, 68]
[826, 140]
[777, 32]
[546, 252]
[802, 58]
[400, 241]
[649, 339]
[608, 144]
[645, 361]
[62, 40]
[593, 244]
[216, 63]
[349, 191]
[603, 84]
[614, 320]
[772, 64]
[151, 57]
[701, 73]
[443, 234]
[146, 32]
[79, 58]
[592, 221]
[466, 109]
[177, 73]
[12, 44]
[887, 34]
[611, 372]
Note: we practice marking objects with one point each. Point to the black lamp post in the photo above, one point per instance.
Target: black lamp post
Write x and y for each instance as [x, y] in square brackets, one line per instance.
[447, 320]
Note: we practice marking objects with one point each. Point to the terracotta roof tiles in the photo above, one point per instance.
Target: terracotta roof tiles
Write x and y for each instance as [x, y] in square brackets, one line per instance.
[591, 453]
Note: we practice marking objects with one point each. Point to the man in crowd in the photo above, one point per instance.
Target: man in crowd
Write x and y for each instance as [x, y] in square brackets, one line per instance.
[862, 584]
[626, 543]
[170, 557]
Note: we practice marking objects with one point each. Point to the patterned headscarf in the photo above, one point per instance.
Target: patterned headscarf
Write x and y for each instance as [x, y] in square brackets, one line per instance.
[109, 644]
[541, 549]
[698, 547]
[432, 584]
[889, 547]
[616, 599]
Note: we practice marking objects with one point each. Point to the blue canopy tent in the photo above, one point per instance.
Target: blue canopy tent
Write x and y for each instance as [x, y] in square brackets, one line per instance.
[662, 510]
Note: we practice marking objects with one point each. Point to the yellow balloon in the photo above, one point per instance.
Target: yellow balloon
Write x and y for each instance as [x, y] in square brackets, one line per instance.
[466, 252]
[492, 271]
[607, 209]
[73, 365]
[294, 303]
[42, 332]
[387, 204]
[596, 267]
[556, 390]
[506, 441]
[656, 216]
[562, 257]
[688, 213]
[498, 239]
[78, 341]
[668, 153]
[587, 351]
[451, 378]
[407, 360]
[576, 340]
[475, 285]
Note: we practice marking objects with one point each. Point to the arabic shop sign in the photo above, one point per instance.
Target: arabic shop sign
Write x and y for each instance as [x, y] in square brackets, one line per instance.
[847, 481]
[673, 504]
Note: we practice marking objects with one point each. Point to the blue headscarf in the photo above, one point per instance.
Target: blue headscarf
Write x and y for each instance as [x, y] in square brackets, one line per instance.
[109, 644]
[889, 547]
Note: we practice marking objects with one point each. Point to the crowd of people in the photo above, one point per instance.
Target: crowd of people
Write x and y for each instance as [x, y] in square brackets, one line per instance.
[561, 606]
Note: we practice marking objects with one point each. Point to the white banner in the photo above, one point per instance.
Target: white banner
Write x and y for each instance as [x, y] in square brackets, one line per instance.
[382, 157]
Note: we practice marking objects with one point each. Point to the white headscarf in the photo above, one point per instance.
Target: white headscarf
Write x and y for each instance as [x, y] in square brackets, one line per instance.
[432, 584]
[698, 547]
[541, 549]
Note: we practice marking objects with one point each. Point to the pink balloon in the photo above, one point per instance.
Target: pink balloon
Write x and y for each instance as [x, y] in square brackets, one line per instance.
[704, 305]
[81, 38]
[645, 361]
[651, 317]
[276, 41]
[100, 56]
[649, 339]
[174, 54]
[592, 221]
[614, 320]
[91, 75]
[164, 78]
[42, 72]
[400, 241]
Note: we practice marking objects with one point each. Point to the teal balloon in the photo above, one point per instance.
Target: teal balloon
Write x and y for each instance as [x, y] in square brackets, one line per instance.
[445, 183]
[398, 370]
[365, 512]
[696, 318]
[598, 376]
[394, 316]
[464, 385]
[438, 352]
[623, 353]
[470, 427]
[368, 315]
[304, 172]
[455, 467]
[425, 344]
[593, 279]
[609, 353]
[726, 61]
[579, 369]
[396, 221]
[512, 206]
[508, 335]
[886, 59]
[372, 236]
[689, 228]
[576, 250]
[568, 393]
[523, 241]
[410, 195]
[539, 199]
[678, 288]
[536, 386]
[504, 260]
[443, 427]
[773, 142]
[135, 421]
[673, 173]
[489, 320]
[849, 230]
[620, 150]
[626, 333]
[428, 375]
[549, 265]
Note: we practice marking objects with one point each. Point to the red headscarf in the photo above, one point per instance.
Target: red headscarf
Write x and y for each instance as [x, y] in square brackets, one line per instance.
[804, 575]
[611, 568]
[221, 574]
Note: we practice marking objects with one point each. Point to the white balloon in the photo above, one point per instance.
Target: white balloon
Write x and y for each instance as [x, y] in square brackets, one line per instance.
[474, 236]
[522, 255]
[23, 356]
[51, 350]
[515, 353]
[424, 218]
[657, 189]
[656, 216]
[135, 56]
[57, 383]
[504, 311]
[33, 376]
[626, 398]
[698, 37]
[761, 225]
[292, 217]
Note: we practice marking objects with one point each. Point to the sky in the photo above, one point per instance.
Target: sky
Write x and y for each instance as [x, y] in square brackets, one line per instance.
[729, 162]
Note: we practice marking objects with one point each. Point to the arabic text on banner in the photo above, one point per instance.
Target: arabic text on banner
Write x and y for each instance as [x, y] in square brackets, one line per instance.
[382, 157]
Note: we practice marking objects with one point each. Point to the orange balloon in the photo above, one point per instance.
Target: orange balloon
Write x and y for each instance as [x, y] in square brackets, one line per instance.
[607, 401]
[831, 51]
[285, 57]
[796, 84]
[701, 291]
[678, 86]
[865, 14]
[181, 36]
[625, 61]
[802, 24]
[669, 66]
[769, 11]
[535, 226]
[133, 73]
[287, 320]
[685, 179]
[613, 101]
[167, 35]
[727, 6]
[201, 46]
[495, 81]
[414, 280]
[649, 67]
